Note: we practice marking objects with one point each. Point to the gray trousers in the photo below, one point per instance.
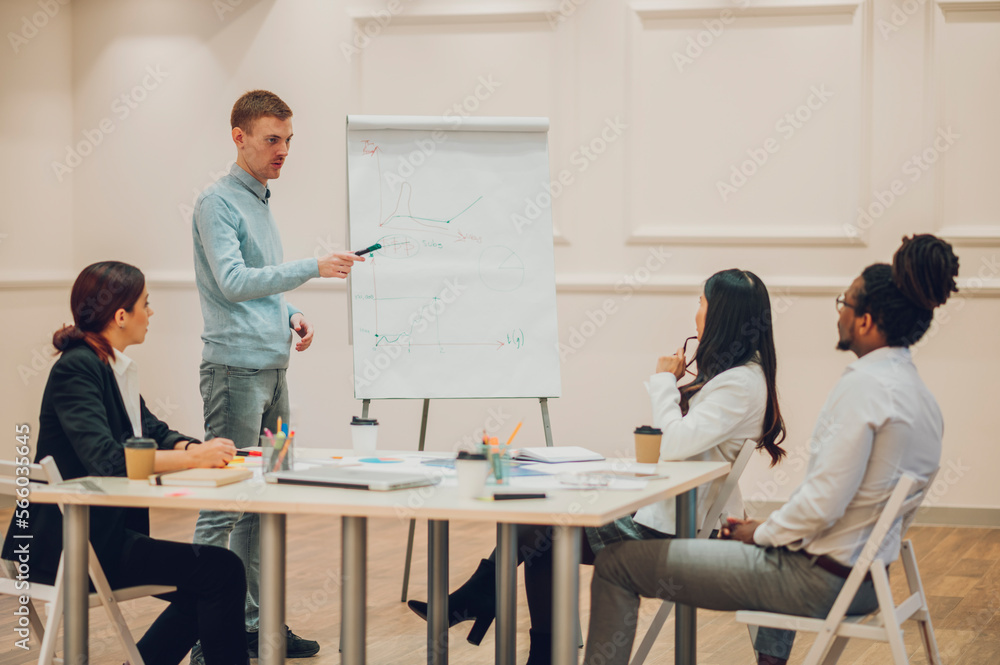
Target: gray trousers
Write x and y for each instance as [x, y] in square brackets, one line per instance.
[721, 575]
[238, 404]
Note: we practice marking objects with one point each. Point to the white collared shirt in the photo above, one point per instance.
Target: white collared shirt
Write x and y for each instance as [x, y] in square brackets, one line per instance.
[127, 376]
[879, 422]
[727, 411]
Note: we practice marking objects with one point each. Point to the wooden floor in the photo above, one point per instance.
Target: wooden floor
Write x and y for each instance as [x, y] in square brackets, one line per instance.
[960, 568]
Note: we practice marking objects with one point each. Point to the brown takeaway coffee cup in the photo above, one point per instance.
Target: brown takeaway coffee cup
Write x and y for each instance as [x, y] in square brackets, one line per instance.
[140, 455]
[647, 444]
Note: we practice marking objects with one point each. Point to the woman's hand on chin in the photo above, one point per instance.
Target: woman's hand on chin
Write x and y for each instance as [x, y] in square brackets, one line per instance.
[212, 453]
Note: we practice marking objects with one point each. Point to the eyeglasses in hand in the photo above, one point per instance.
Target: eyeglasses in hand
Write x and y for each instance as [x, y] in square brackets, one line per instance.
[688, 364]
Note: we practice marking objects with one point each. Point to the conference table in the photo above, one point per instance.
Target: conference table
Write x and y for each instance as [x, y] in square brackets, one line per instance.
[566, 510]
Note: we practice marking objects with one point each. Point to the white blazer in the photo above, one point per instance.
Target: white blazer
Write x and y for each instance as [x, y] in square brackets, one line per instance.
[727, 411]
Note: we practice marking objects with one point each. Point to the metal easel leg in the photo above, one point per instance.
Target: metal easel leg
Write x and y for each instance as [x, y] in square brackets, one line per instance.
[546, 425]
[413, 523]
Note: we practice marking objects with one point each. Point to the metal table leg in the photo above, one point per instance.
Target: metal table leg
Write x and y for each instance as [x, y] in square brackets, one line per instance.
[76, 541]
[437, 596]
[353, 601]
[271, 638]
[686, 619]
[506, 594]
[565, 594]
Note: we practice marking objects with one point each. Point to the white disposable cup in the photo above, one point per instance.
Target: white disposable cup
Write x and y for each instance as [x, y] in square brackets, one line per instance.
[363, 438]
[471, 477]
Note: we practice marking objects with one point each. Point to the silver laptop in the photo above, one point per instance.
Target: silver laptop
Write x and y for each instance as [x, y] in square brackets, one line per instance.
[353, 478]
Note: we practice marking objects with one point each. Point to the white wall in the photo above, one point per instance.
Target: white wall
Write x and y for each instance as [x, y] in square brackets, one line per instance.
[36, 222]
[646, 209]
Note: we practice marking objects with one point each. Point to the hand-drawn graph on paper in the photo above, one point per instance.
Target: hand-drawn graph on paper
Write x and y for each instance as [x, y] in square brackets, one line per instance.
[460, 300]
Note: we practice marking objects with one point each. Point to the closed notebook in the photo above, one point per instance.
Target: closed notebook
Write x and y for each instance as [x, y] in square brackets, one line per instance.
[201, 477]
[557, 454]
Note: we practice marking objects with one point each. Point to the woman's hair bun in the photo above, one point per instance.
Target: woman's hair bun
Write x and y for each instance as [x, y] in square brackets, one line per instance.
[67, 336]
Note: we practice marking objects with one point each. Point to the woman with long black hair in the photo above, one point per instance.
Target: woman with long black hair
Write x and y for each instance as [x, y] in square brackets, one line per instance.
[731, 399]
[90, 406]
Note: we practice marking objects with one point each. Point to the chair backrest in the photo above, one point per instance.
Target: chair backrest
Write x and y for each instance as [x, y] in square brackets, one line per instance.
[44, 471]
[912, 504]
[715, 511]
[902, 504]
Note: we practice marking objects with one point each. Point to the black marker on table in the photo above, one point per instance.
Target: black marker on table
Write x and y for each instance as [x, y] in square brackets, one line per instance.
[362, 252]
[512, 496]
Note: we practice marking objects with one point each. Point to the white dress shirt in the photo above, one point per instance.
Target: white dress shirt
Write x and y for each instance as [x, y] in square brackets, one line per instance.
[879, 422]
[727, 411]
[127, 376]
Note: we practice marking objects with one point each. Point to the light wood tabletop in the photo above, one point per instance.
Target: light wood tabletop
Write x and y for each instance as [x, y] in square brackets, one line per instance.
[567, 510]
[593, 506]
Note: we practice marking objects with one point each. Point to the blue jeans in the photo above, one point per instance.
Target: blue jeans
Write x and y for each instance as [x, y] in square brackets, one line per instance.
[239, 403]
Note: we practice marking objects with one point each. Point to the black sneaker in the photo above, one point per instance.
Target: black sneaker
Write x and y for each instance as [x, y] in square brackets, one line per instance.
[295, 646]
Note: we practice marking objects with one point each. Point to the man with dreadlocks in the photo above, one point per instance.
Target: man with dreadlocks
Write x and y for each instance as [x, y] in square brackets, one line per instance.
[879, 422]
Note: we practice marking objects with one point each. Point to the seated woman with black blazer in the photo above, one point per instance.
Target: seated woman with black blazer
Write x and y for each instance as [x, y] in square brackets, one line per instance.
[90, 406]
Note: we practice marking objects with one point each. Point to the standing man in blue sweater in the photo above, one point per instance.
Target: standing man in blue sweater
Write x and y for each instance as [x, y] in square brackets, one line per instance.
[241, 277]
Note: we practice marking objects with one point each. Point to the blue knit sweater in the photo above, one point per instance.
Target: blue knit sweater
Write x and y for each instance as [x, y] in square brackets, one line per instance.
[241, 277]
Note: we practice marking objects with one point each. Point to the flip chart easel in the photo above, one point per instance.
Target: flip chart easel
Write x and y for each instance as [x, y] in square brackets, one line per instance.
[459, 302]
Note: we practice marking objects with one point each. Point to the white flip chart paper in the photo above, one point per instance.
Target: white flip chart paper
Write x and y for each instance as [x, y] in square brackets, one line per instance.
[460, 300]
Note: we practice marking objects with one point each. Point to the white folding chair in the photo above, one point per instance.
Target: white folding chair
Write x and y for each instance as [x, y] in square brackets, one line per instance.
[715, 513]
[52, 594]
[883, 625]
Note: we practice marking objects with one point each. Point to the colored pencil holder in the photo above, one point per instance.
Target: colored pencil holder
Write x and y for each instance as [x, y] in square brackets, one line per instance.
[278, 458]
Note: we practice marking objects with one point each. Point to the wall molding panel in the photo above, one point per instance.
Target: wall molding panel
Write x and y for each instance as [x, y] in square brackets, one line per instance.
[593, 283]
[961, 232]
[641, 231]
[539, 16]
[782, 236]
[659, 9]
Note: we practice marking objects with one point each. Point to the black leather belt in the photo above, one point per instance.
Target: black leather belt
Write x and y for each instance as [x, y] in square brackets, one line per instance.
[831, 565]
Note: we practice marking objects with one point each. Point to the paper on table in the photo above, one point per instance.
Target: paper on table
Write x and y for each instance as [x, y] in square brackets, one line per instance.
[558, 454]
[592, 481]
